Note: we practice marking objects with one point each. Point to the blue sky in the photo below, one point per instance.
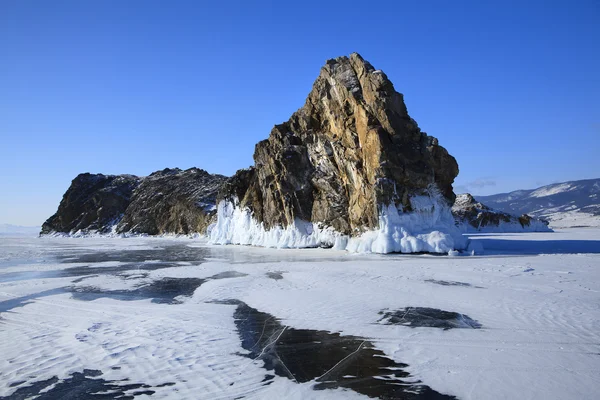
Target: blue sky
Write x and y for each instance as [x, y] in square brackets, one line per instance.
[511, 89]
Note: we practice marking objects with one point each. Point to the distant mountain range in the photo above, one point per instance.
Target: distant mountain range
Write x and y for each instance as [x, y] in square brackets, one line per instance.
[567, 204]
[16, 230]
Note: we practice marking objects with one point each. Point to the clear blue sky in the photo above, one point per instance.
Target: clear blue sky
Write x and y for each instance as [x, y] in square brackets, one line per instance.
[511, 89]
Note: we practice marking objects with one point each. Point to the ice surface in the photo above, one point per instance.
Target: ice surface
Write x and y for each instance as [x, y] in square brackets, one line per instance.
[536, 297]
[429, 228]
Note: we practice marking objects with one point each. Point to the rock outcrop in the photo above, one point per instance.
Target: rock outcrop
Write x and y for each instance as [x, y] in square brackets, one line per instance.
[167, 201]
[172, 201]
[350, 168]
[473, 216]
[93, 202]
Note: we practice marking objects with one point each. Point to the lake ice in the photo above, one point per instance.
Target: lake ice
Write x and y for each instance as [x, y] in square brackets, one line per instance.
[179, 318]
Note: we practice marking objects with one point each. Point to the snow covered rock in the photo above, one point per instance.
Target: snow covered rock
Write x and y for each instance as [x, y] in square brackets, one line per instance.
[349, 169]
[472, 216]
[167, 201]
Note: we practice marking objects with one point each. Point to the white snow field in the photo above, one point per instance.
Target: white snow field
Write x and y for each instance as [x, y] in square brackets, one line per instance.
[182, 319]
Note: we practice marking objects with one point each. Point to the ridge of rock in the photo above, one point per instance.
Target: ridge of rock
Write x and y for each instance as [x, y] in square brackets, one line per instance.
[172, 201]
[168, 201]
[93, 202]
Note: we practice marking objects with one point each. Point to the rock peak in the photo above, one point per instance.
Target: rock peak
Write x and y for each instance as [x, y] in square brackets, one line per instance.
[349, 151]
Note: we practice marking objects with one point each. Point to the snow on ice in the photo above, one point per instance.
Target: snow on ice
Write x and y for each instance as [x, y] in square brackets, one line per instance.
[93, 311]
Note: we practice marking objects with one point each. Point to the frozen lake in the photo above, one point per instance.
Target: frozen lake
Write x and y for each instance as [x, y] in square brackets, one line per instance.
[177, 318]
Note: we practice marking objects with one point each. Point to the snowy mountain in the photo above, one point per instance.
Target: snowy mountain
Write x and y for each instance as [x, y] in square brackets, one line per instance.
[16, 230]
[567, 204]
[473, 216]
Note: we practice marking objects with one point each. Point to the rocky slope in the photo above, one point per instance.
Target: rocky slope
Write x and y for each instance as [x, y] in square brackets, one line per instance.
[350, 168]
[93, 202]
[172, 201]
[473, 216]
[567, 204]
[167, 201]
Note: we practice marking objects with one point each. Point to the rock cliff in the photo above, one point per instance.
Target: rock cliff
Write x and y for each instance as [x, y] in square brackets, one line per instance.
[349, 169]
[473, 216]
[167, 201]
[172, 201]
[93, 202]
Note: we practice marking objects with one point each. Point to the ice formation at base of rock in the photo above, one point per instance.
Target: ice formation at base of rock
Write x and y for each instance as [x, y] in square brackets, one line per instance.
[428, 228]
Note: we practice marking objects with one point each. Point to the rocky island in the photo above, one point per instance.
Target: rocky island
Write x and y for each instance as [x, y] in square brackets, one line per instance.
[168, 201]
[350, 169]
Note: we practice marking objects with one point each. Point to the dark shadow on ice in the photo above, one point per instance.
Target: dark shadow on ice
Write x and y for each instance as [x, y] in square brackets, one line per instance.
[27, 275]
[162, 291]
[428, 317]
[83, 271]
[277, 275]
[81, 386]
[23, 300]
[493, 245]
[451, 283]
[228, 274]
[117, 269]
[330, 359]
[87, 271]
[168, 253]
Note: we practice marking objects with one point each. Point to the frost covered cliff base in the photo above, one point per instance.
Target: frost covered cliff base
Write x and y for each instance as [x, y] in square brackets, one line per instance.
[428, 228]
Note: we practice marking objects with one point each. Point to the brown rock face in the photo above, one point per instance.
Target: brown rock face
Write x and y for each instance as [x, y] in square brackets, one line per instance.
[351, 148]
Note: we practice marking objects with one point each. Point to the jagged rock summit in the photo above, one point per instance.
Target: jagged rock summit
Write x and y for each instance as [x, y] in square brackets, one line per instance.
[473, 216]
[349, 169]
[169, 201]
